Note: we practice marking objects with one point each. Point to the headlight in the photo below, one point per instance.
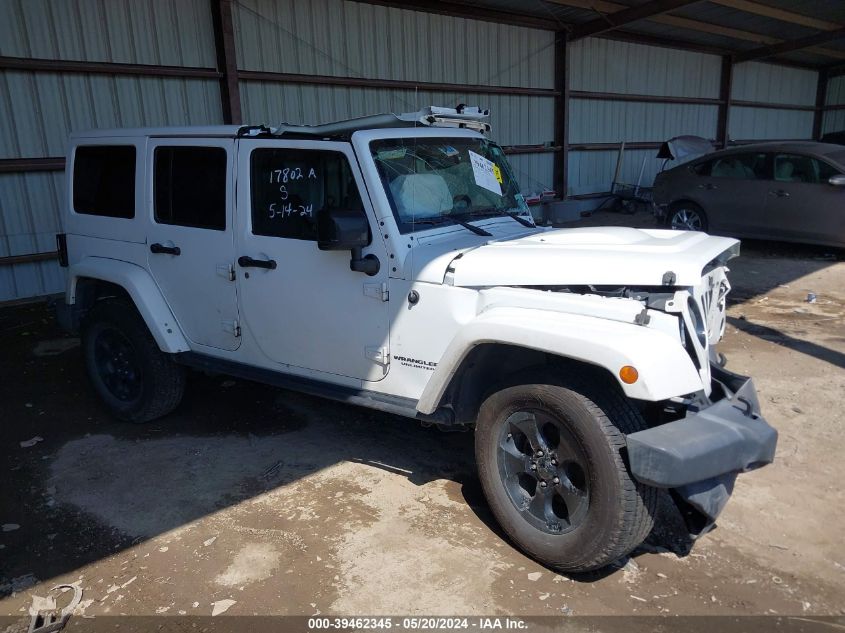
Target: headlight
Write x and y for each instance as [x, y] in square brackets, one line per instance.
[697, 321]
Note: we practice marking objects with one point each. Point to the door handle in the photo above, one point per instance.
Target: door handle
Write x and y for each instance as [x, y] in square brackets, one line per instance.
[780, 193]
[709, 185]
[245, 261]
[167, 250]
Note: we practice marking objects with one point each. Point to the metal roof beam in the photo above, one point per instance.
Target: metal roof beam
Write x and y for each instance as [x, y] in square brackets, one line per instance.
[790, 46]
[680, 22]
[778, 14]
[622, 18]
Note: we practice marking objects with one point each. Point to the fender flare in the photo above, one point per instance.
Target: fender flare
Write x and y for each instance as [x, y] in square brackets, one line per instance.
[665, 369]
[143, 291]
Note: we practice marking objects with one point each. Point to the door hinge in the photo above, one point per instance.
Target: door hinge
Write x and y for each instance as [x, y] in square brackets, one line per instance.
[233, 327]
[378, 354]
[377, 291]
[226, 271]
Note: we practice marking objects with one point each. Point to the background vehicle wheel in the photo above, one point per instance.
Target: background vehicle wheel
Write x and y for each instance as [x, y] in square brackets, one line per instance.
[549, 456]
[136, 380]
[687, 216]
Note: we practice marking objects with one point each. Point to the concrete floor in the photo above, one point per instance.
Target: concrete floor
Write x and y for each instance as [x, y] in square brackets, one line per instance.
[286, 504]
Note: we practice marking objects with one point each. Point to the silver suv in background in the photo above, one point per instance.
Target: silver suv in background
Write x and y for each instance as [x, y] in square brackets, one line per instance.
[780, 191]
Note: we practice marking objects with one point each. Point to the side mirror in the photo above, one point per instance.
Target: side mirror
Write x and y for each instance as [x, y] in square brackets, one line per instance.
[837, 181]
[347, 230]
[342, 229]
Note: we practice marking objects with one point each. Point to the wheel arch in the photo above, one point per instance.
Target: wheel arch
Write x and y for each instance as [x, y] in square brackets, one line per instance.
[97, 278]
[491, 366]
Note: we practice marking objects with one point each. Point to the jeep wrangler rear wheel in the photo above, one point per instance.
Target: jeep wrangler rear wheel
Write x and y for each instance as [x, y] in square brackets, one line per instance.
[135, 379]
[550, 460]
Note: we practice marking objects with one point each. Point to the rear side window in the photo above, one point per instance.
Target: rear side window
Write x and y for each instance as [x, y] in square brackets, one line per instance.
[190, 186]
[798, 168]
[740, 167]
[104, 180]
[289, 187]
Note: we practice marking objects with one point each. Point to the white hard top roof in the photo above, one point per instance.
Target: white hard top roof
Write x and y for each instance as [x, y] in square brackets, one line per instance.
[460, 117]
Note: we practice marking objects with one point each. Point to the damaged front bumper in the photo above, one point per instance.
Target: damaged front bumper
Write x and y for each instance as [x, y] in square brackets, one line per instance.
[699, 456]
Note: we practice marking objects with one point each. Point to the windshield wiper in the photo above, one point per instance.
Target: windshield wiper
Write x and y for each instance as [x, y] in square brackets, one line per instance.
[449, 218]
[493, 211]
[475, 229]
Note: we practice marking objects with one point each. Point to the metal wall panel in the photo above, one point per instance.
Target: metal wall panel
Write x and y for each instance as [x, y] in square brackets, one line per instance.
[29, 221]
[70, 102]
[128, 31]
[834, 121]
[592, 172]
[755, 81]
[835, 91]
[602, 65]
[765, 123]
[593, 121]
[355, 39]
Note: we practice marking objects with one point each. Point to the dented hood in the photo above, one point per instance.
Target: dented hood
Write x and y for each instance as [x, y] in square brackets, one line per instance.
[584, 256]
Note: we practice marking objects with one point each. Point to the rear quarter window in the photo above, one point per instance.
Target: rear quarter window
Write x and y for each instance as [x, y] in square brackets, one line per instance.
[104, 180]
[702, 169]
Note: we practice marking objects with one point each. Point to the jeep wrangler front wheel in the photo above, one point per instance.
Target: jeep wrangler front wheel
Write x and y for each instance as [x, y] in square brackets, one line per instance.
[550, 460]
[136, 380]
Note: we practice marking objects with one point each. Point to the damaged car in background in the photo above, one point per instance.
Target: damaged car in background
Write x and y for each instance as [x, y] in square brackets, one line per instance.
[793, 192]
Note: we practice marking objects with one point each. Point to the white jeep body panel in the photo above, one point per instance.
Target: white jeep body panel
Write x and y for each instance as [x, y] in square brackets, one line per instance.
[144, 292]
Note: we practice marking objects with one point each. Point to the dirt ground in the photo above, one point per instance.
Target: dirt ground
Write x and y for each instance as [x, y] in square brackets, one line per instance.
[269, 502]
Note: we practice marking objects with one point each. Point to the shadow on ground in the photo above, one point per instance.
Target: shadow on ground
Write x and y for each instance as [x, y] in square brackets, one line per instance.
[228, 441]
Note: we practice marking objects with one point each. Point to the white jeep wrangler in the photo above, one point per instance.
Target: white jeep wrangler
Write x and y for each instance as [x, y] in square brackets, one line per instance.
[390, 262]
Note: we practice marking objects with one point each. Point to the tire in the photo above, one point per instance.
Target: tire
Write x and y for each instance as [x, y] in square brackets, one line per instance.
[597, 513]
[686, 216]
[135, 379]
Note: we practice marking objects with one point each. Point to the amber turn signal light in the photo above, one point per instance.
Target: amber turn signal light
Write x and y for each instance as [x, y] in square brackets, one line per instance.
[629, 375]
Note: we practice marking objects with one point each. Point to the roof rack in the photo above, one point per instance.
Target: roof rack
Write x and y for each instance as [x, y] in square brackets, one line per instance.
[461, 116]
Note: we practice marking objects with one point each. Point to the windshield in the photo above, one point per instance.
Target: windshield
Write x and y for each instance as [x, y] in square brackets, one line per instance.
[431, 181]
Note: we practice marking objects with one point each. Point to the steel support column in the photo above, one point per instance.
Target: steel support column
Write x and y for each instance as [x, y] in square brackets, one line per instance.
[821, 97]
[224, 45]
[561, 122]
[725, 84]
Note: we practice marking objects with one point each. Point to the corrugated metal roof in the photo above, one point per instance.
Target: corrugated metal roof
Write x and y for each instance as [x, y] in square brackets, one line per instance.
[768, 29]
[737, 19]
[833, 10]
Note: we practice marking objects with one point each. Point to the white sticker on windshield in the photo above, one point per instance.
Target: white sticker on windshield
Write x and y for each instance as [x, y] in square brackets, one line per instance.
[484, 173]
